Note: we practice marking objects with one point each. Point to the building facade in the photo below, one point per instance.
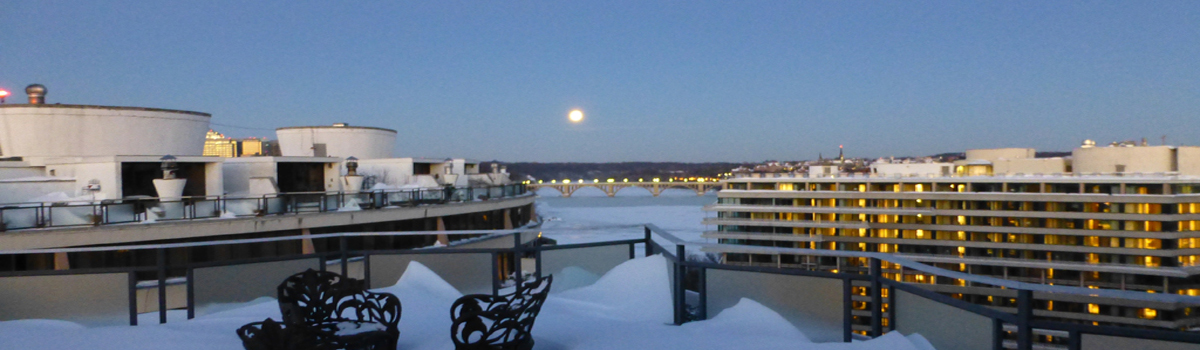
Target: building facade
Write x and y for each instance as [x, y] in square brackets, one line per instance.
[217, 145]
[1107, 228]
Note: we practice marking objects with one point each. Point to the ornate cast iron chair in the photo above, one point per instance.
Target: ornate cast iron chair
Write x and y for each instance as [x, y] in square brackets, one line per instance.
[503, 322]
[328, 311]
[267, 335]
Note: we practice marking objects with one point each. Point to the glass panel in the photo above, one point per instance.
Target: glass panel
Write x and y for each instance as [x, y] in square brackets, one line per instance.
[945, 326]
[1104, 342]
[105, 300]
[120, 212]
[812, 304]
[470, 273]
[580, 267]
[68, 216]
[213, 284]
[18, 218]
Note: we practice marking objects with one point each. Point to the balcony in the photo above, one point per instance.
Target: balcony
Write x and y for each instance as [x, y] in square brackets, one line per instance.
[644, 292]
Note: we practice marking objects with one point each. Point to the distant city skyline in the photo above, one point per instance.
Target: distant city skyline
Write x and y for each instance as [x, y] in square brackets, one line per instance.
[691, 82]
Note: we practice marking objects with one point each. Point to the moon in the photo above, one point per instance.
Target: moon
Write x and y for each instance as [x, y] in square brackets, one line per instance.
[575, 116]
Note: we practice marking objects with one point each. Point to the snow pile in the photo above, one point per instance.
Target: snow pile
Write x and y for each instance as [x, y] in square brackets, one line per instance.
[352, 204]
[627, 308]
[638, 290]
[572, 277]
[62, 197]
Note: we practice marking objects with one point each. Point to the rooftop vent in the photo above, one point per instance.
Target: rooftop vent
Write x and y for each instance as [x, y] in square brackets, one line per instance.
[37, 94]
[341, 125]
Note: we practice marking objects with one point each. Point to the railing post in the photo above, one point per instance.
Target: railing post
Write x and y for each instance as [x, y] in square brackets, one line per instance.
[133, 310]
[847, 317]
[518, 252]
[161, 257]
[876, 298]
[649, 244]
[495, 274]
[538, 261]
[680, 285]
[367, 270]
[191, 294]
[1024, 314]
[891, 308]
[345, 257]
[997, 334]
[702, 286]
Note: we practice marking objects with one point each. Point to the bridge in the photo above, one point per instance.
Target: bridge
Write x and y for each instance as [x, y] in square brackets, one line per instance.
[611, 188]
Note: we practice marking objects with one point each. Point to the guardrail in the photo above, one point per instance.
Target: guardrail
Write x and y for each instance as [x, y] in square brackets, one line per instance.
[873, 274]
[1000, 327]
[19, 216]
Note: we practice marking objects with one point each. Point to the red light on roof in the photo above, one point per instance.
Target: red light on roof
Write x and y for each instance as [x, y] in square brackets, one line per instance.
[3, 93]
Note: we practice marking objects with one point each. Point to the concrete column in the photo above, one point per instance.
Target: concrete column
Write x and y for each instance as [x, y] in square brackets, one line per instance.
[507, 219]
[306, 244]
[442, 239]
[61, 262]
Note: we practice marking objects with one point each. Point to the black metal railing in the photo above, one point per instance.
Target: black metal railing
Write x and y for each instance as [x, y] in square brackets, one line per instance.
[1023, 319]
[674, 250]
[20, 216]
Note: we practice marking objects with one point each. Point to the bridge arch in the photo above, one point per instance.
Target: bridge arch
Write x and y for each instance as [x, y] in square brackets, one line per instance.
[636, 188]
[556, 190]
[588, 190]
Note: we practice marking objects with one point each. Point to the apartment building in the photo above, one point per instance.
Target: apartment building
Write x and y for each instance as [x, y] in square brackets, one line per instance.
[1124, 216]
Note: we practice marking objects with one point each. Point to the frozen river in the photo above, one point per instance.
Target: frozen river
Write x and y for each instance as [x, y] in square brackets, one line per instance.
[590, 215]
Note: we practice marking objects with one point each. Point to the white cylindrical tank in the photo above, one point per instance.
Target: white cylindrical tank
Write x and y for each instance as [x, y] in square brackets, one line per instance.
[56, 130]
[338, 140]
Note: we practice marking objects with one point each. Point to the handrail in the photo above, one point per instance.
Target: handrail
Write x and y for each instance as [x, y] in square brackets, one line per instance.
[918, 266]
[35, 215]
[90, 202]
[1022, 319]
[266, 239]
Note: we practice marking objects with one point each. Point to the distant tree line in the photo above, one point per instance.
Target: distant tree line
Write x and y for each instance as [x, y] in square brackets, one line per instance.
[618, 171]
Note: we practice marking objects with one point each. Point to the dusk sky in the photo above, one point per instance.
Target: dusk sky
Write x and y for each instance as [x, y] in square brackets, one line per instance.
[658, 81]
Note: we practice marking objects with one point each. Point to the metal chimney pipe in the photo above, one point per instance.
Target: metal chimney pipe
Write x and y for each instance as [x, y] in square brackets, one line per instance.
[37, 94]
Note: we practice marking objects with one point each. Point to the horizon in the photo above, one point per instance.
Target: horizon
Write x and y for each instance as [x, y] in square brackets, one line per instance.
[658, 82]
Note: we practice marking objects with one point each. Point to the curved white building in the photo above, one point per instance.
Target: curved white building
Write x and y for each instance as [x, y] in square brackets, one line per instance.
[338, 140]
[43, 130]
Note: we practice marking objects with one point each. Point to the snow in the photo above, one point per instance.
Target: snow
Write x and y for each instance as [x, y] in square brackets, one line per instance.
[627, 308]
[61, 197]
[352, 204]
[591, 216]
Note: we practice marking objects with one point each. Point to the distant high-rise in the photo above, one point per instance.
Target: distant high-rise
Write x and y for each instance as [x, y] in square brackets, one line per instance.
[217, 145]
